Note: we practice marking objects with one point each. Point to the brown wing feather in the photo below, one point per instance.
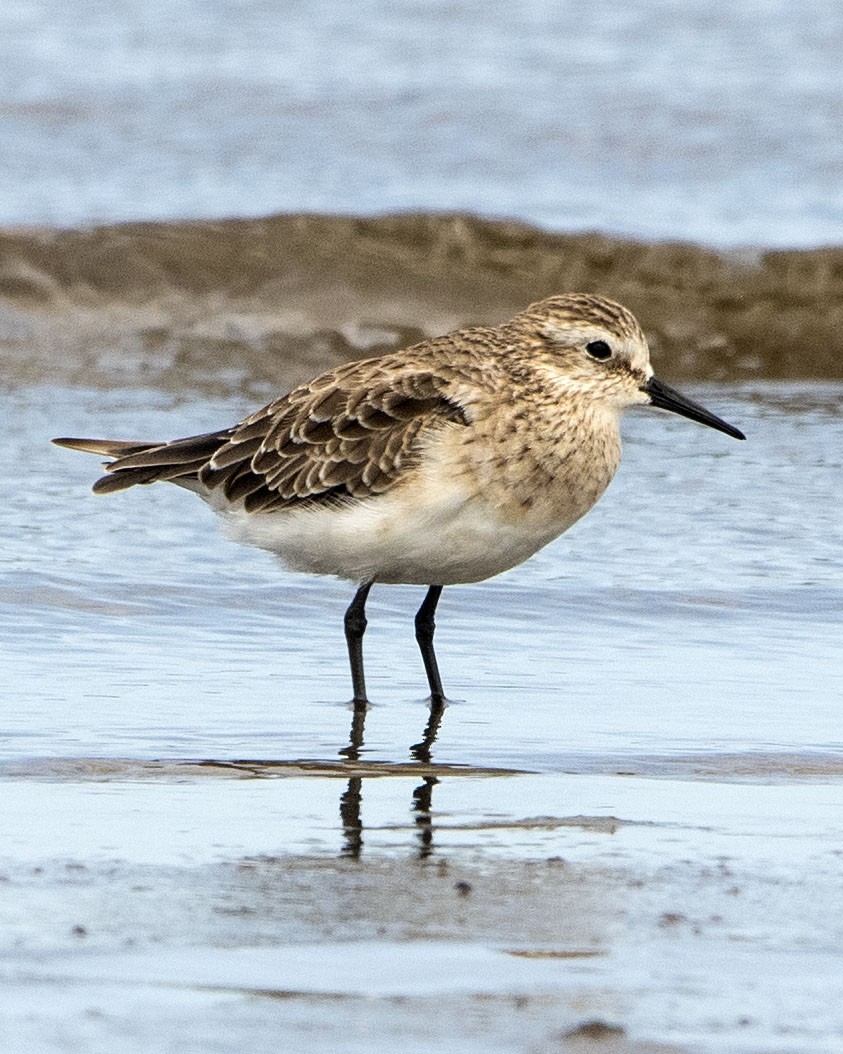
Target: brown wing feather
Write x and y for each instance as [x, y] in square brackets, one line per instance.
[329, 441]
[347, 434]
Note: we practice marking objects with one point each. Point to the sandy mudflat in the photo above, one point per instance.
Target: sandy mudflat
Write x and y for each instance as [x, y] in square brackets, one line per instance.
[687, 904]
[274, 300]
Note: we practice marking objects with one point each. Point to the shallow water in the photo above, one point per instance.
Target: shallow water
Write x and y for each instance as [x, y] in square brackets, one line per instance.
[697, 608]
[628, 832]
[713, 122]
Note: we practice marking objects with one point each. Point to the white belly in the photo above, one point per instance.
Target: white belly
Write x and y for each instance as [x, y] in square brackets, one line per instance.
[462, 515]
[404, 536]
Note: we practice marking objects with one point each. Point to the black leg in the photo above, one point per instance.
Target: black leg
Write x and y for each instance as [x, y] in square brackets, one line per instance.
[355, 627]
[425, 626]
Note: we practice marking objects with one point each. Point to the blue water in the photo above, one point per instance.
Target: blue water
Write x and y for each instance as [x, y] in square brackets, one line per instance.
[704, 120]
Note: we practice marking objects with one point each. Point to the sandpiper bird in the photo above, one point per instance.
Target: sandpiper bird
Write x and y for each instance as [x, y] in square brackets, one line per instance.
[447, 462]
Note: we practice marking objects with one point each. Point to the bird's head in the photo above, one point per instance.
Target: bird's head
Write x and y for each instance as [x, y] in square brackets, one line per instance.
[590, 346]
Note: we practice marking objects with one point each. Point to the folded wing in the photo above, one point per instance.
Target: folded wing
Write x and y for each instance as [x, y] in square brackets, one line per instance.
[348, 434]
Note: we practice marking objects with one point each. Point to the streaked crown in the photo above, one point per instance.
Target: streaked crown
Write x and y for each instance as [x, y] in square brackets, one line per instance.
[573, 311]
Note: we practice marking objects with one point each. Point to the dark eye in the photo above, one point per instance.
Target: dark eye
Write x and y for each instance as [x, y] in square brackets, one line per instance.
[598, 349]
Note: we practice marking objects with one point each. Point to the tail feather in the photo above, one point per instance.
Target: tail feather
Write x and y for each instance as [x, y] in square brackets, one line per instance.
[136, 462]
[106, 447]
[178, 452]
[114, 481]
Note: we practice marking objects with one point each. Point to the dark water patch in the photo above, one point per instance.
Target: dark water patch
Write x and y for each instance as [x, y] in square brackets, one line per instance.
[247, 303]
[755, 766]
[120, 770]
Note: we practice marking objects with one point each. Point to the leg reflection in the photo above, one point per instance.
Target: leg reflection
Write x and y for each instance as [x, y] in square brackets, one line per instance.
[422, 803]
[352, 825]
[421, 751]
[352, 797]
[355, 738]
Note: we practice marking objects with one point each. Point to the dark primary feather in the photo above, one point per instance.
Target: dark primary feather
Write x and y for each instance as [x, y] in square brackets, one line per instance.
[347, 434]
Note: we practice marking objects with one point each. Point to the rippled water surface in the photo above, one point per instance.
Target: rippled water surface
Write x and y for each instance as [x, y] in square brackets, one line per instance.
[697, 608]
[710, 121]
[628, 827]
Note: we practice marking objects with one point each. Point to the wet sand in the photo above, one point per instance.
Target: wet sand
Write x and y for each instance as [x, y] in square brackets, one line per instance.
[271, 301]
[151, 899]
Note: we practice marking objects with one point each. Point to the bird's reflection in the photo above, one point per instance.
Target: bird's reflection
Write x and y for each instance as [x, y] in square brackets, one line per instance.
[421, 751]
[422, 799]
[355, 738]
[352, 825]
[351, 799]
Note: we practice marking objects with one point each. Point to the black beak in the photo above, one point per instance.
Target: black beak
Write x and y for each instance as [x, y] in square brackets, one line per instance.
[668, 399]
